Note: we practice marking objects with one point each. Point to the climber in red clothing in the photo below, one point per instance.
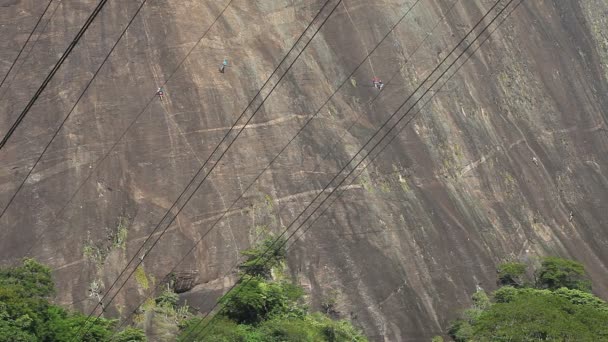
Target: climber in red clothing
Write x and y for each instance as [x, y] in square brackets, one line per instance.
[377, 82]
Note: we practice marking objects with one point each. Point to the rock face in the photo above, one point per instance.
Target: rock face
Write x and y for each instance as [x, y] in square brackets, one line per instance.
[507, 162]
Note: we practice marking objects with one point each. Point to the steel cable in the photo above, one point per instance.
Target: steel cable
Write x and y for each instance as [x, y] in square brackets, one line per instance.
[50, 76]
[272, 246]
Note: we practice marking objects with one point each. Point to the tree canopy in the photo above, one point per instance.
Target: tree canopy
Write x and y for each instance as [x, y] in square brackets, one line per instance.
[264, 309]
[556, 273]
[557, 307]
[27, 315]
[511, 273]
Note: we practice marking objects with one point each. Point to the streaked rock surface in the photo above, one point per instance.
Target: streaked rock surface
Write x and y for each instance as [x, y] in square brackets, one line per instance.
[508, 162]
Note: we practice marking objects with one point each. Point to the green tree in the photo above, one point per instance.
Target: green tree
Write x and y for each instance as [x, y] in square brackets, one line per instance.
[27, 315]
[256, 299]
[511, 274]
[31, 279]
[66, 326]
[557, 272]
[167, 298]
[130, 335]
[462, 329]
[290, 329]
[315, 327]
[579, 297]
[540, 315]
[264, 257]
[561, 309]
[260, 309]
[220, 329]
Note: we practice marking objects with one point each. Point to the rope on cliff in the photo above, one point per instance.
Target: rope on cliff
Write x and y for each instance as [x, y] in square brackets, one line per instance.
[27, 55]
[107, 57]
[272, 246]
[50, 76]
[26, 42]
[131, 124]
[371, 161]
[347, 78]
[217, 161]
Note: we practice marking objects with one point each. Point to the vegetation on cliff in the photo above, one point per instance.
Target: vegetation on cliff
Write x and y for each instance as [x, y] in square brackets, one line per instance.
[27, 315]
[265, 307]
[557, 305]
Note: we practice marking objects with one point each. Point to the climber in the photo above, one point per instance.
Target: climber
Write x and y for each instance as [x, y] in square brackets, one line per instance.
[224, 65]
[160, 93]
[377, 82]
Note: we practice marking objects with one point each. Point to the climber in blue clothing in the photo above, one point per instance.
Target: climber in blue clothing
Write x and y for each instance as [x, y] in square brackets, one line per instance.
[223, 65]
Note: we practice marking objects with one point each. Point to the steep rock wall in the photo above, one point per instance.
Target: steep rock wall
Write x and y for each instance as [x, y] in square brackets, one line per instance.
[491, 169]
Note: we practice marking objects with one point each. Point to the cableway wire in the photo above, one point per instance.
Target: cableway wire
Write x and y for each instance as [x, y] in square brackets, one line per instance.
[183, 60]
[26, 42]
[278, 238]
[281, 151]
[29, 52]
[217, 162]
[107, 57]
[291, 140]
[58, 65]
[111, 149]
[394, 74]
[316, 167]
[407, 123]
[271, 247]
[131, 124]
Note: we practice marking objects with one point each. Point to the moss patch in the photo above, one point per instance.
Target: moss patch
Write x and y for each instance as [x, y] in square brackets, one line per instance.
[141, 278]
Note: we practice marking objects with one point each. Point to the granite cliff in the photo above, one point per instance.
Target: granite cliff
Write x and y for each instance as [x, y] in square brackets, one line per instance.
[507, 162]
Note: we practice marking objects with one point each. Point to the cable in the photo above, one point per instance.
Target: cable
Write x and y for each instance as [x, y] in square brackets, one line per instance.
[120, 138]
[39, 237]
[284, 148]
[26, 41]
[65, 55]
[293, 138]
[27, 55]
[394, 74]
[221, 155]
[289, 142]
[271, 247]
[407, 123]
[338, 186]
[131, 124]
[122, 34]
[225, 151]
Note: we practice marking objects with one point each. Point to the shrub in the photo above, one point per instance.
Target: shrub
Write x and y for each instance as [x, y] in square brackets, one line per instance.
[33, 278]
[561, 309]
[557, 272]
[263, 258]
[260, 309]
[256, 299]
[130, 335]
[26, 314]
[511, 274]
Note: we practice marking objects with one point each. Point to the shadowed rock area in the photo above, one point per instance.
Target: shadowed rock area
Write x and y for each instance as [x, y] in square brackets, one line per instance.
[507, 162]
